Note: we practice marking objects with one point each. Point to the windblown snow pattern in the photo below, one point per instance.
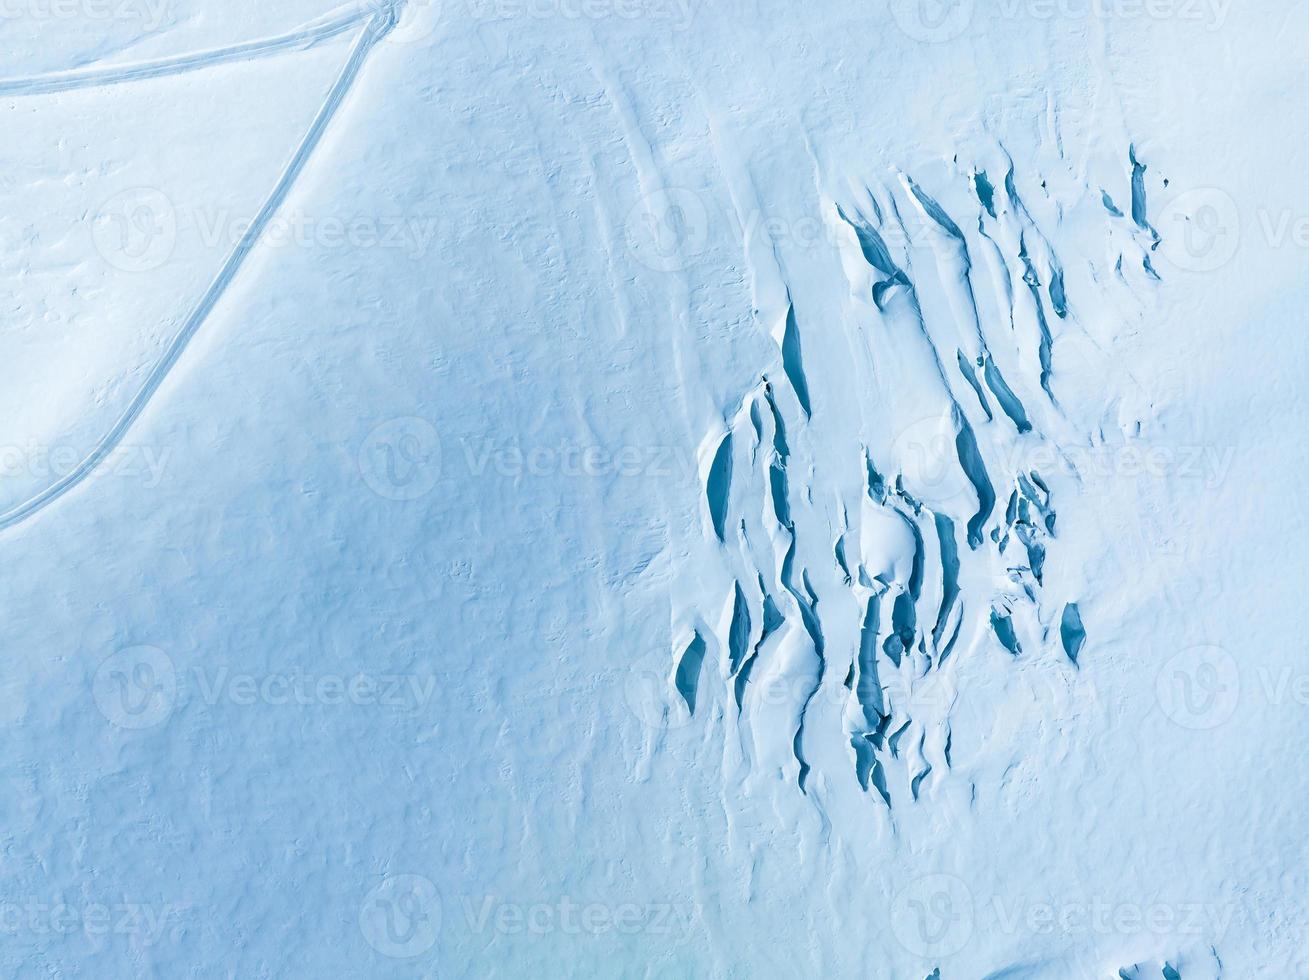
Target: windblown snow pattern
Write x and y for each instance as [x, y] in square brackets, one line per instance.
[653, 489]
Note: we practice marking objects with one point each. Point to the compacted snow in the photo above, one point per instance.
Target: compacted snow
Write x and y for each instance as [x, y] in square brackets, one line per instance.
[653, 488]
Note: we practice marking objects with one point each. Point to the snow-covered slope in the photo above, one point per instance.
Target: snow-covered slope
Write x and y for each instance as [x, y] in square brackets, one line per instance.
[653, 489]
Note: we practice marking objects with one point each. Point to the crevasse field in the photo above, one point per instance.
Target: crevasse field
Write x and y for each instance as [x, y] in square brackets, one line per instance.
[653, 489]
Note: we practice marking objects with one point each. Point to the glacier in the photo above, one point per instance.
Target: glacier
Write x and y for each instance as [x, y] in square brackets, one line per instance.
[651, 488]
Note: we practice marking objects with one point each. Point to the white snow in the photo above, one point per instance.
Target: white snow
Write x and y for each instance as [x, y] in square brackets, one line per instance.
[617, 489]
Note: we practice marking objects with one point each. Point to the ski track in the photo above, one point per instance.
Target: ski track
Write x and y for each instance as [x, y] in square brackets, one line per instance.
[376, 24]
[308, 36]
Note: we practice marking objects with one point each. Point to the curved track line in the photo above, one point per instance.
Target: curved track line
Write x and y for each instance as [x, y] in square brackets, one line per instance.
[303, 37]
[377, 27]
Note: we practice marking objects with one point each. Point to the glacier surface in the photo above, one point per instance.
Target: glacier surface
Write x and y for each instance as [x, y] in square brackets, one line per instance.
[653, 488]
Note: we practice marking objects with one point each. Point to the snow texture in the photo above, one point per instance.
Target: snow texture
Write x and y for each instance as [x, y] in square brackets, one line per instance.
[653, 489]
